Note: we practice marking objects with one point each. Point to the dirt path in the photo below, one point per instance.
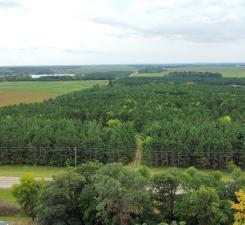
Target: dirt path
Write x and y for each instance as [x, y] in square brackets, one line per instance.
[138, 155]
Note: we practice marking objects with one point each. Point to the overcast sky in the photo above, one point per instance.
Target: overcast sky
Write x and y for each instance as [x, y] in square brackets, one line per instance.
[56, 32]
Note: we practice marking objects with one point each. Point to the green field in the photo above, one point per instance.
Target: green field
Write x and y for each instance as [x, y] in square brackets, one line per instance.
[36, 91]
[226, 71]
[37, 171]
[56, 87]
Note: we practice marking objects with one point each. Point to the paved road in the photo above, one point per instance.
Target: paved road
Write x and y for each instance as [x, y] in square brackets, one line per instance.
[7, 182]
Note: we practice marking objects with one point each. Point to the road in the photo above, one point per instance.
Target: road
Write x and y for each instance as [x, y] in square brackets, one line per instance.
[8, 182]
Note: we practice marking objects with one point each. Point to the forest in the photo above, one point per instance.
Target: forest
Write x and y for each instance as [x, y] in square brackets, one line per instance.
[178, 124]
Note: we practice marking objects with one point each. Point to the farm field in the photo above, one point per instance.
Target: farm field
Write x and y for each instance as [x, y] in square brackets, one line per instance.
[27, 92]
[226, 71]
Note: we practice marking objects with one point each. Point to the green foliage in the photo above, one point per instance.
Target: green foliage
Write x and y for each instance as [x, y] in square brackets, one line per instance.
[236, 173]
[115, 122]
[231, 166]
[144, 171]
[226, 119]
[96, 194]
[27, 194]
[88, 169]
[58, 203]
[180, 124]
[165, 186]
[148, 140]
[109, 194]
[122, 198]
[203, 206]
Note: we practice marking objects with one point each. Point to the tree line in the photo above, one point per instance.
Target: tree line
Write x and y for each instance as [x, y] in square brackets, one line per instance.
[195, 74]
[112, 194]
[110, 75]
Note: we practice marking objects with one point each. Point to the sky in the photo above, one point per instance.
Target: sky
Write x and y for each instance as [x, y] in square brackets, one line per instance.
[82, 32]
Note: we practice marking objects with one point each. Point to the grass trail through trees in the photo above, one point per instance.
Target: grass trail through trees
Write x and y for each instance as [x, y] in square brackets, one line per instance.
[138, 153]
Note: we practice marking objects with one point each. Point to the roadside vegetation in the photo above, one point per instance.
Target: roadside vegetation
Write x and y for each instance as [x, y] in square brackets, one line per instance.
[36, 171]
[113, 194]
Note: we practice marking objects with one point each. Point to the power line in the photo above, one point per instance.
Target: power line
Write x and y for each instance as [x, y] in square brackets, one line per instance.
[145, 151]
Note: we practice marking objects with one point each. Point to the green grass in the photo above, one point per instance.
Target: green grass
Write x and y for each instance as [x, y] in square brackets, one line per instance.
[6, 196]
[37, 171]
[56, 87]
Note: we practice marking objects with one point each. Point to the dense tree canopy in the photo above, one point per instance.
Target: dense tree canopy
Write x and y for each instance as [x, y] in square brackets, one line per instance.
[180, 125]
[113, 194]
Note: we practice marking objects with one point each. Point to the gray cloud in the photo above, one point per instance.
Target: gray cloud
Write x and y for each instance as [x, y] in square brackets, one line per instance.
[208, 21]
[214, 29]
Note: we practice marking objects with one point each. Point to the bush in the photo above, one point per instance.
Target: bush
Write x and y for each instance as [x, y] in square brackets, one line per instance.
[27, 194]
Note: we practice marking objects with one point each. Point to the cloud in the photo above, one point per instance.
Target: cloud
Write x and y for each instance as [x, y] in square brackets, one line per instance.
[215, 23]
[130, 28]
[26, 50]
[81, 51]
[9, 4]
[207, 21]
[121, 31]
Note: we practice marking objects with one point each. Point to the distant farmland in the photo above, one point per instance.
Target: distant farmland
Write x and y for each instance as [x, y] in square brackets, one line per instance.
[26, 92]
[226, 71]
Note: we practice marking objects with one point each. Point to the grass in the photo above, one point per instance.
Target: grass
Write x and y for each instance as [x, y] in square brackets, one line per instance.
[6, 196]
[37, 171]
[7, 199]
[226, 71]
[36, 91]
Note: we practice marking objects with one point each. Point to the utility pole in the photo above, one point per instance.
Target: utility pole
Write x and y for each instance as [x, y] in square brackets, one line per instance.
[75, 152]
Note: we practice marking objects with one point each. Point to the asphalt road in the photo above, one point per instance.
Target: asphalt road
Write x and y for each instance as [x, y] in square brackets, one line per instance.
[7, 182]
